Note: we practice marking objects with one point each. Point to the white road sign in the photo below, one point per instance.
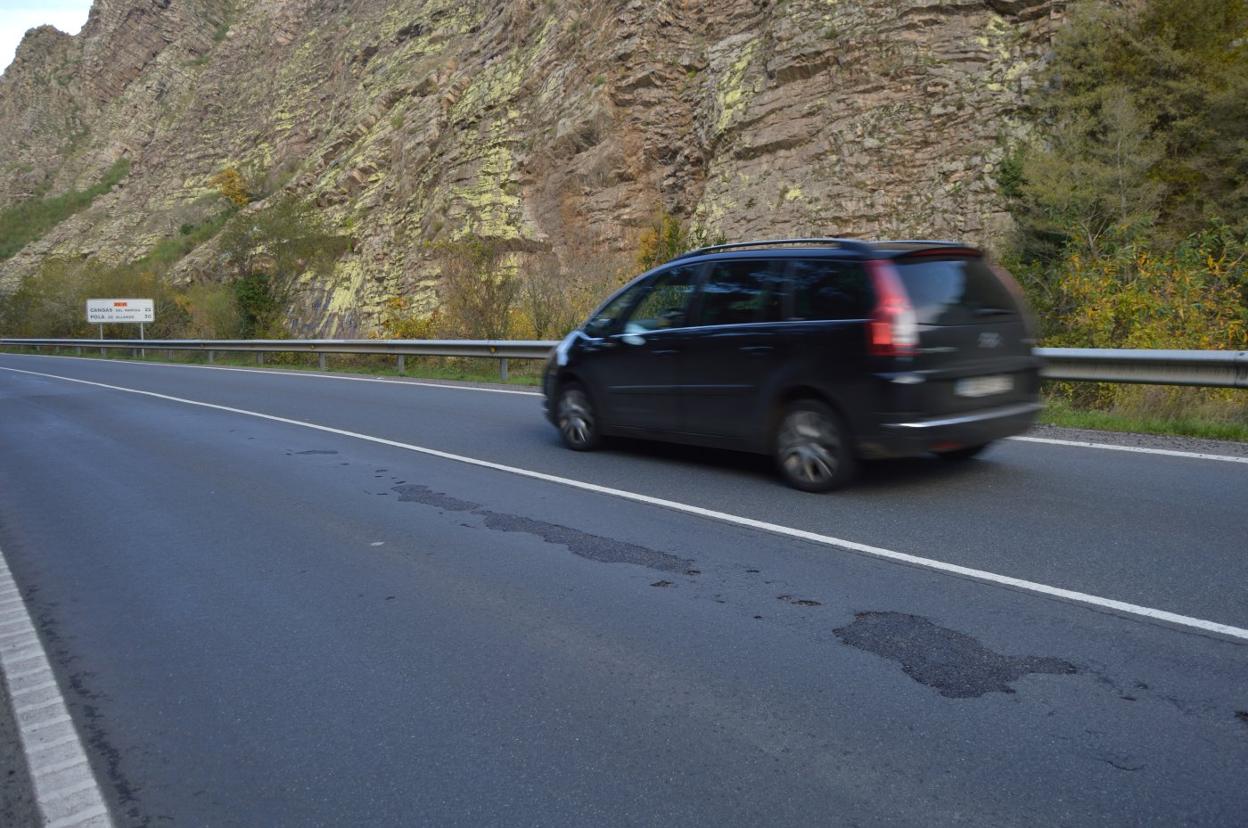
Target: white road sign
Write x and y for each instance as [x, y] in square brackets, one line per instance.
[121, 310]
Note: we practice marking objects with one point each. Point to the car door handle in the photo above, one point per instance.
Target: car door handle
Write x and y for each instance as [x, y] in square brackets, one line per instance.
[758, 349]
[665, 351]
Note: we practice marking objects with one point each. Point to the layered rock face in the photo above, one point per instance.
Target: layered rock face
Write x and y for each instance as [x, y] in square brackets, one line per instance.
[550, 126]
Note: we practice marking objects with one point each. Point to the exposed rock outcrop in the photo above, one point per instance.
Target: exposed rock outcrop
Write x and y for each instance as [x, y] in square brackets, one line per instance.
[541, 123]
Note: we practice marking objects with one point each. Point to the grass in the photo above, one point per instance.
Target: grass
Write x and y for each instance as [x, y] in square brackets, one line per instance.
[28, 220]
[170, 250]
[1060, 413]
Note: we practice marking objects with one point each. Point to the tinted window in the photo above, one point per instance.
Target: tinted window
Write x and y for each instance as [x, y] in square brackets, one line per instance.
[828, 289]
[665, 301]
[954, 291]
[609, 316]
[740, 292]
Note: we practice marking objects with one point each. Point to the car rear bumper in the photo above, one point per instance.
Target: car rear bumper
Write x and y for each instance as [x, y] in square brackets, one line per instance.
[971, 428]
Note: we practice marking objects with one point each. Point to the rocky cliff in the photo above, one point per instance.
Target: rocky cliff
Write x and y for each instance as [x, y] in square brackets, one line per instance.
[548, 125]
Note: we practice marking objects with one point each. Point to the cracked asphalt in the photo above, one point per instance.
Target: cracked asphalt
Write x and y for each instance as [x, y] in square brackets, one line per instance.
[257, 623]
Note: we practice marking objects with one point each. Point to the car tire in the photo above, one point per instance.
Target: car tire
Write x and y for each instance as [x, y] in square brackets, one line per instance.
[813, 448]
[576, 418]
[962, 454]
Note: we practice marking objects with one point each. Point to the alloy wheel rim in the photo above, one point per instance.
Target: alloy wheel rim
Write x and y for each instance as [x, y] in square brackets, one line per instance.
[576, 419]
[809, 447]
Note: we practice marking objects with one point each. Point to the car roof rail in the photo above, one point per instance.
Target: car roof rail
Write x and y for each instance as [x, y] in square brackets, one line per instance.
[856, 245]
[932, 242]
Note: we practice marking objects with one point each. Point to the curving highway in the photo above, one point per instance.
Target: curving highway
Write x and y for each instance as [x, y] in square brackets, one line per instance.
[292, 599]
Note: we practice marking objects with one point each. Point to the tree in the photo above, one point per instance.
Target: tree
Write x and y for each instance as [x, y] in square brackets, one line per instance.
[265, 252]
[1158, 151]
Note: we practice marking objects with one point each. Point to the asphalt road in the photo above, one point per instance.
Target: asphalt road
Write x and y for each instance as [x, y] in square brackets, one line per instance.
[260, 623]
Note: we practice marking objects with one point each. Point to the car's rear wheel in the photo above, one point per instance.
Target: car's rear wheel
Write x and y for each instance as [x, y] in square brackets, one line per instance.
[960, 454]
[813, 448]
[576, 419]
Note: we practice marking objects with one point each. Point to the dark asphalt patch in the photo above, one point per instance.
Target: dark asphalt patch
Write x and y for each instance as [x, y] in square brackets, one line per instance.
[316, 451]
[412, 493]
[1242, 715]
[581, 544]
[585, 545]
[952, 663]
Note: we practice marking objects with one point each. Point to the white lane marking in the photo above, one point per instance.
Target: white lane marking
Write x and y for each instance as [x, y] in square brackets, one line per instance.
[55, 743]
[33, 688]
[44, 724]
[72, 769]
[71, 788]
[26, 708]
[724, 517]
[1193, 455]
[60, 766]
[312, 374]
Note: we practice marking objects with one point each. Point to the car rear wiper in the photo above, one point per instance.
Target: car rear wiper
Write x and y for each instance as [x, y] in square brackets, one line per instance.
[993, 312]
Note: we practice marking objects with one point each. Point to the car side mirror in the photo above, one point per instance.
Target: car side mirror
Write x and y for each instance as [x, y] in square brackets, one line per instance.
[634, 339]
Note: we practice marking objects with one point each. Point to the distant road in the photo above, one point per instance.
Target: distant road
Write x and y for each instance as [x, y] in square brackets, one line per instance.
[284, 599]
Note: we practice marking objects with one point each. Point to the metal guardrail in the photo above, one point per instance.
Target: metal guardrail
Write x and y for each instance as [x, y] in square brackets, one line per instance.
[500, 349]
[1217, 369]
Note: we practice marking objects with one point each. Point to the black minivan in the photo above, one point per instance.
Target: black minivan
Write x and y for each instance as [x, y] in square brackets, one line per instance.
[819, 352]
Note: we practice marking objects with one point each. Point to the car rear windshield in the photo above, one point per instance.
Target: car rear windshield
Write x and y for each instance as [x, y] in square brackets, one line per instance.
[955, 291]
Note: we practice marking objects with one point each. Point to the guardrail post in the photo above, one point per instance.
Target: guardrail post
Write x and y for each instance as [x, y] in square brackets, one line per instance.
[402, 363]
[259, 357]
[502, 369]
[79, 350]
[322, 362]
[211, 356]
[168, 355]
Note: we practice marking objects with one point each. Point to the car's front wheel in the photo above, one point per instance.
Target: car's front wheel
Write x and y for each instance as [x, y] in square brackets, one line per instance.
[813, 448]
[576, 419]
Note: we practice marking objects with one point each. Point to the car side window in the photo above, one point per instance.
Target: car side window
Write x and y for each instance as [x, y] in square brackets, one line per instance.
[829, 289]
[666, 302]
[743, 291]
[611, 315]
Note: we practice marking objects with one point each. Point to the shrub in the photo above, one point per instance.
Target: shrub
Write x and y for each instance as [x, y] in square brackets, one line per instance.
[231, 184]
[478, 290]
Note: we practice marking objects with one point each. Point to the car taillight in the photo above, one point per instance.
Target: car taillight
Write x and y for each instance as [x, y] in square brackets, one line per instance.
[894, 329]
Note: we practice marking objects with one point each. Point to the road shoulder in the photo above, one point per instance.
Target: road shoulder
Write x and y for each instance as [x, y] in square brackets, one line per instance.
[1163, 442]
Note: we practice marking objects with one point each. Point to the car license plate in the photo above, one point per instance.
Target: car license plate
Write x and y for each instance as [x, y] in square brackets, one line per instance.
[983, 386]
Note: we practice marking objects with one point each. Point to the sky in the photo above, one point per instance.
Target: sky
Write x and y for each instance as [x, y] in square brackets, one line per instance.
[16, 16]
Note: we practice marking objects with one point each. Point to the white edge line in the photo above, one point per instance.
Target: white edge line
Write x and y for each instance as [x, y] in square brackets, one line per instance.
[84, 780]
[1192, 455]
[313, 374]
[724, 517]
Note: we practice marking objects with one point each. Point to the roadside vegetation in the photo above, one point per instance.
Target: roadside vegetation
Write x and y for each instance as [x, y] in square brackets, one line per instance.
[28, 220]
[1131, 201]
